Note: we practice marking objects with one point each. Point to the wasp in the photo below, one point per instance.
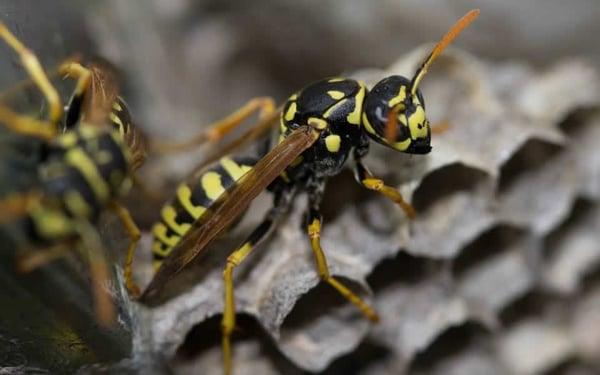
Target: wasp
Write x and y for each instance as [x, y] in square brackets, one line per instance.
[88, 157]
[319, 127]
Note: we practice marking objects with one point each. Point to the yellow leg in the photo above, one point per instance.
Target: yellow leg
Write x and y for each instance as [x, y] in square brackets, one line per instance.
[134, 236]
[228, 322]
[219, 129]
[31, 261]
[73, 69]
[314, 233]
[26, 125]
[94, 251]
[234, 260]
[33, 67]
[367, 180]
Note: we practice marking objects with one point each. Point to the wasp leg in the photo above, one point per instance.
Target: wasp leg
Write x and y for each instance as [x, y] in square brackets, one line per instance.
[92, 248]
[25, 84]
[72, 69]
[282, 202]
[366, 179]
[29, 262]
[134, 236]
[314, 233]
[16, 205]
[219, 129]
[35, 70]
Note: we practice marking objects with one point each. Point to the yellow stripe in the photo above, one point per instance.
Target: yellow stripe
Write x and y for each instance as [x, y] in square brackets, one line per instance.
[233, 169]
[184, 195]
[211, 183]
[334, 107]
[336, 79]
[159, 230]
[78, 159]
[291, 112]
[169, 216]
[117, 120]
[160, 249]
[68, 139]
[51, 224]
[334, 94]
[76, 204]
[354, 116]
[116, 106]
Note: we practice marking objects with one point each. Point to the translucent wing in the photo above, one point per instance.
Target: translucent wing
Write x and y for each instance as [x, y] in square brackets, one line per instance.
[231, 205]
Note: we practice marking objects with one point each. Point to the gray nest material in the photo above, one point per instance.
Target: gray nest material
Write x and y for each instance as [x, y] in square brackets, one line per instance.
[498, 225]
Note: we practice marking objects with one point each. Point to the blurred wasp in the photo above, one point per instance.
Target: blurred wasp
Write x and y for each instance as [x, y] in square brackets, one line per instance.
[319, 126]
[88, 158]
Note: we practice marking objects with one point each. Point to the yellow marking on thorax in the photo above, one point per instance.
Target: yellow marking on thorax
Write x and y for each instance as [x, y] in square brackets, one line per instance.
[334, 107]
[184, 195]
[159, 230]
[51, 224]
[333, 142]
[235, 170]
[211, 183]
[334, 94]
[398, 98]
[77, 205]
[291, 112]
[354, 116]
[169, 215]
[77, 158]
[336, 79]
[67, 140]
[293, 97]
[318, 123]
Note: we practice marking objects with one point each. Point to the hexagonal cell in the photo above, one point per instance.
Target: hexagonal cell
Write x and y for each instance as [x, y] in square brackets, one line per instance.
[572, 250]
[533, 154]
[448, 344]
[490, 243]
[443, 182]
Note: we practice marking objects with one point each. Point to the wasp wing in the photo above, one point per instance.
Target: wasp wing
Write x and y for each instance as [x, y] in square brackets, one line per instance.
[231, 205]
[245, 138]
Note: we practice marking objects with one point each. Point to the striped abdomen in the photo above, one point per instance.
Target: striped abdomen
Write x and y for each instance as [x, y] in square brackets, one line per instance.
[84, 170]
[193, 199]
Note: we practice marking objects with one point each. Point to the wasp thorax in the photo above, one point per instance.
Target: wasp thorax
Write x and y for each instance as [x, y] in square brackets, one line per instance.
[396, 118]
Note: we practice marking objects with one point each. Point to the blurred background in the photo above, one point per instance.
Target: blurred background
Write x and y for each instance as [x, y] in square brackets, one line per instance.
[186, 63]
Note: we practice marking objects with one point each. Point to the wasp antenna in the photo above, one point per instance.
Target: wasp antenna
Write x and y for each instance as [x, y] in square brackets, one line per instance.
[458, 27]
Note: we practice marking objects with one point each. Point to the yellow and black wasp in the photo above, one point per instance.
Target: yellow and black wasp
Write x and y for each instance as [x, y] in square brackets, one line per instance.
[319, 127]
[88, 158]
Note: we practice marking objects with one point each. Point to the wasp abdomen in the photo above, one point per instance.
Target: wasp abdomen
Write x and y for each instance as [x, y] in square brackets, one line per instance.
[193, 199]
